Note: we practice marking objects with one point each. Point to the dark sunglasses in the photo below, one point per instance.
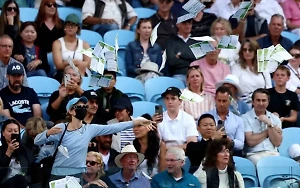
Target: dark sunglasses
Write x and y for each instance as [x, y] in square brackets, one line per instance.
[165, 1]
[193, 67]
[92, 163]
[247, 50]
[296, 56]
[51, 5]
[9, 9]
[80, 106]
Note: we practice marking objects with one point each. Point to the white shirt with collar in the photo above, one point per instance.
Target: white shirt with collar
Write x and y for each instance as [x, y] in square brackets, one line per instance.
[223, 8]
[175, 132]
[184, 39]
[294, 81]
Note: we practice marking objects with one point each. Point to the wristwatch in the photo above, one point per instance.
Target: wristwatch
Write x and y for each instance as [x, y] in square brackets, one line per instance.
[129, 25]
[270, 125]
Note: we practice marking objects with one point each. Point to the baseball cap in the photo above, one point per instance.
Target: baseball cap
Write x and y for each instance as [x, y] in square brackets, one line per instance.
[15, 68]
[90, 94]
[72, 18]
[173, 91]
[76, 100]
[123, 103]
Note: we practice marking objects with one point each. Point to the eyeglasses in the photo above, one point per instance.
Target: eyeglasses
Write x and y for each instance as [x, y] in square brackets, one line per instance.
[71, 25]
[249, 50]
[10, 9]
[165, 1]
[92, 163]
[172, 160]
[80, 106]
[54, 5]
[296, 56]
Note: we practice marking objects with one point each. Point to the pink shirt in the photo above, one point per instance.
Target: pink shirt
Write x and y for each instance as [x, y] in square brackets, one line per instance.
[212, 73]
[292, 11]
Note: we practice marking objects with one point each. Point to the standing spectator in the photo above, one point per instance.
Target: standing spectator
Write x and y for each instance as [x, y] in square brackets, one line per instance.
[292, 14]
[141, 50]
[103, 16]
[33, 58]
[225, 8]
[10, 19]
[294, 65]
[49, 25]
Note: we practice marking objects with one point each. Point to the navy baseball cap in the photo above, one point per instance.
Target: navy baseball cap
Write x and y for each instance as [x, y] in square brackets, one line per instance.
[15, 68]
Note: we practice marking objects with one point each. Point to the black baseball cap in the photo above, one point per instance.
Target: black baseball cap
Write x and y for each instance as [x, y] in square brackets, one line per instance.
[122, 103]
[90, 94]
[173, 91]
[15, 68]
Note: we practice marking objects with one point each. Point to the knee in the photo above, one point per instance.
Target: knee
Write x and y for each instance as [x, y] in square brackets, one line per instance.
[113, 26]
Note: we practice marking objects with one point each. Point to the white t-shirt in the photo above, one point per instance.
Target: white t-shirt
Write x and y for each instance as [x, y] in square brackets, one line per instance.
[105, 159]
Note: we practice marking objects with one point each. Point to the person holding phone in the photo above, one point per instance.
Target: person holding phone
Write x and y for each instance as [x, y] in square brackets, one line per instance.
[15, 159]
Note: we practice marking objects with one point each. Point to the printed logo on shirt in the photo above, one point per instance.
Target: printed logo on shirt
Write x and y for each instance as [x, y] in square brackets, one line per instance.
[17, 106]
[287, 102]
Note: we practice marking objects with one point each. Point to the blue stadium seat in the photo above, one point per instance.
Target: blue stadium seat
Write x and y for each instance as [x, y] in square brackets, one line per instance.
[154, 87]
[90, 37]
[121, 66]
[131, 87]
[293, 37]
[273, 169]
[289, 136]
[124, 37]
[143, 107]
[28, 14]
[207, 10]
[51, 64]
[63, 12]
[44, 106]
[43, 86]
[248, 171]
[142, 13]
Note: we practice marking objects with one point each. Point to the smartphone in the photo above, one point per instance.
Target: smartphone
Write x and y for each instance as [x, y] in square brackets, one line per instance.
[159, 109]
[67, 79]
[15, 136]
[220, 124]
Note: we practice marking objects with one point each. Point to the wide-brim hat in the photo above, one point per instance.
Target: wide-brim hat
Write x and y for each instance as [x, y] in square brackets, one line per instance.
[148, 66]
[233, 80]
[126, 150]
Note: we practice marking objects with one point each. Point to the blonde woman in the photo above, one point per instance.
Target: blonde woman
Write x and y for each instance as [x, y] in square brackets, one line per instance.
[195, 82]
[221, 27]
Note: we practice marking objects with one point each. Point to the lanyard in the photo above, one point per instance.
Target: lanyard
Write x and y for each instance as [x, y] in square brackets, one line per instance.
[293, 71]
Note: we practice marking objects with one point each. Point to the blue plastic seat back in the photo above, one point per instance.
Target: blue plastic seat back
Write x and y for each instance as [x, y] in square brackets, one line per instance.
[142, 13]
[248, 171]
[91, 37]
[289, 136]
[124, 37]
[44, 106]
[28, 14]
[143, 107]
[63, 12]
[51, 65]
[132, 87]
[293, 37]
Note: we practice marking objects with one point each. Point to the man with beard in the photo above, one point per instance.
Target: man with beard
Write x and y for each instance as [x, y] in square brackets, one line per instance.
[19, 102]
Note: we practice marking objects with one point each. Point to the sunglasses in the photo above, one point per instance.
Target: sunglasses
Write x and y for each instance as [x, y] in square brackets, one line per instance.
[193, 67]
[296, 56]
[80, 106]
[10, 9]
[248, 50]
[92, 163]
[165, 1]
[54, 5]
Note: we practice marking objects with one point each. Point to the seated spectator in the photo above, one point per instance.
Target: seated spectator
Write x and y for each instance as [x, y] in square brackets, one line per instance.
[49, 25]
[209, 65]
[33, 58]
[103, 16]
[276, 26]
[293, 83]
[20, 102]
[246, 71]
[10, 19]
[167, 27]
[6, 46]
[225, 8]
[218, 167]
[263, 132]
[195, 83]
[174, 175]
[147, 142]
[283, 102]
[233, 124]
[141, 50]
[179, 54]
[251, 27]
[58, 100]
[70, 46]
[128, 160]
[237, 106]
[15, 159]
[92, 108]
[147, 71]
[292, 15]
[195, 151]
[176, 128]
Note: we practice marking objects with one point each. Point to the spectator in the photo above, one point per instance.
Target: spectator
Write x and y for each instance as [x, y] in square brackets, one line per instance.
[276, 26]
[233, 124]
[33, 58]
[225, 8]
[147, 71]
[128, 160]
[209, 66]
[10, 19]
[70, 46]
[283, 102]
[2, 117]
[293, 83]
[219, 28]
[237, 106]
[175, 175]
[167, 27]
[20, 102]
[103, 16]
[195, 151]
[6, 46]
[92, 108]
[15, 159]
[148, 143]
[75, 164]
[218, 166]
[141, 50]
[58, 100]
[179, 54]
[202, 24]
[246, 71]
[263, 132]
[251, 27]
[48, 24]
[176, 128]
[195, 83]
[292, 14]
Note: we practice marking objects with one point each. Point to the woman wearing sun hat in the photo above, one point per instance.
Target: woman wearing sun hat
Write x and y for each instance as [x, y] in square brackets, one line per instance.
[147, 71]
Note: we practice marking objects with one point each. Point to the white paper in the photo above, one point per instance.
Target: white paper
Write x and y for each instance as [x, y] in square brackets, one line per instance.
[112, 65]
[197, 51]
[204, 38]
[63, 150]
[97, 65]
[70, 62]
[228, 42]
[193, 7]
[191, 96]
[67, 78]
[60, 183]
[184, 18]
[116, 45]
[98, 80]
[243, 9]
[101, 48]
[153, 37]
[163, 63]
[72, 183]
[88, 52]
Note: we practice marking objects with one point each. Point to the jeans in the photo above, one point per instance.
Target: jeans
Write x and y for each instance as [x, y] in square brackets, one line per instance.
[38, 72]
[103, 28]
[180, 77]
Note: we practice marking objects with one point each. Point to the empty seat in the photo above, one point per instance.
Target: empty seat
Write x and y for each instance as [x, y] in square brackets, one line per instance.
[143, 107]
[131, 87]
